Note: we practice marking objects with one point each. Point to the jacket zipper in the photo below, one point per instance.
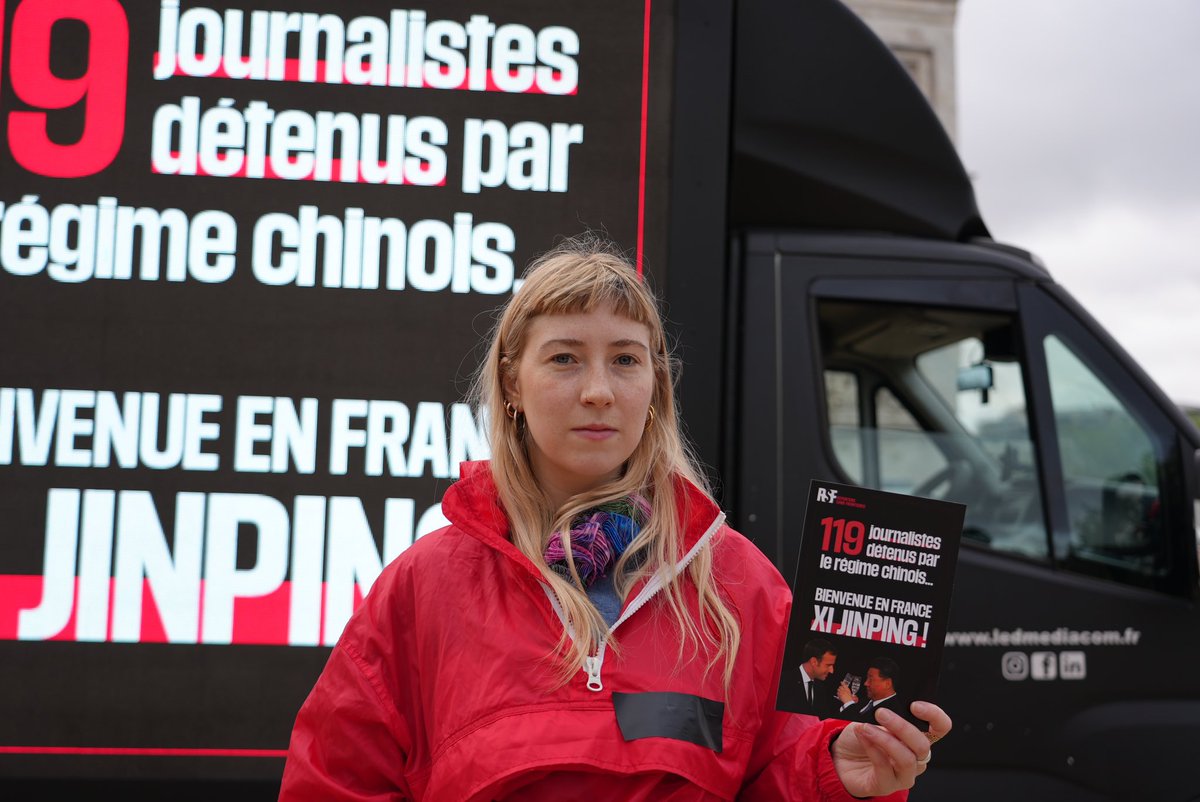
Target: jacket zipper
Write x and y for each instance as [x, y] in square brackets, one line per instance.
[593, 664]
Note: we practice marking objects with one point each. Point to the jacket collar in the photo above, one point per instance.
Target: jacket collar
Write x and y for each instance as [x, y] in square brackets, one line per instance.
[473, 505]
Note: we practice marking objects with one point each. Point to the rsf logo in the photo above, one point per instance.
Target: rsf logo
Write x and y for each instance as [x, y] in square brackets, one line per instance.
[826, 494]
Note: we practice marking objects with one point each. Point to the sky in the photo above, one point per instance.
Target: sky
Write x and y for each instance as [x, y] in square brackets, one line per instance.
[1079, 123]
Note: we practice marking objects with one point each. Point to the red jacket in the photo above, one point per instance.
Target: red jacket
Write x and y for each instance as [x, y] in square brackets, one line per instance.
[443, 686]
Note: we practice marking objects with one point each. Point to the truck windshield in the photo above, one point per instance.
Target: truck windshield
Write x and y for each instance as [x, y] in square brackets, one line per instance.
[931, 402]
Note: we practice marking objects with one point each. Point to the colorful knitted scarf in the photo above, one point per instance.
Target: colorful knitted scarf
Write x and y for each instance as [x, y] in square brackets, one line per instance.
[598, 537]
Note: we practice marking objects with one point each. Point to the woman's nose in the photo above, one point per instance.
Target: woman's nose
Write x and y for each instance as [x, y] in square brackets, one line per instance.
[597, 388]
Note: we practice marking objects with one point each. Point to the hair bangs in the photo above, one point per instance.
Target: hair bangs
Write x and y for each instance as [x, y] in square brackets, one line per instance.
[564, 286]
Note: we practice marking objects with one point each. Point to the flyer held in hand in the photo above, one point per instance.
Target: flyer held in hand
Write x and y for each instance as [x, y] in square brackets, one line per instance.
[871, 600]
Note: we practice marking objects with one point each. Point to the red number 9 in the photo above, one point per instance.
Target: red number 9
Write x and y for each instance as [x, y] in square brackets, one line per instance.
[101, 88]
[854, 537]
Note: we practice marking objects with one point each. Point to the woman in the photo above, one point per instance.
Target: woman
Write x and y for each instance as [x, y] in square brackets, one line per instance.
[586, 627]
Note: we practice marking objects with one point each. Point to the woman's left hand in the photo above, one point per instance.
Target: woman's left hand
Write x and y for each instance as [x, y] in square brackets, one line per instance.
[877, 760]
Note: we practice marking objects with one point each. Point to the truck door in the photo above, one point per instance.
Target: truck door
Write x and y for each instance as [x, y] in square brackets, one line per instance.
[1074, 629]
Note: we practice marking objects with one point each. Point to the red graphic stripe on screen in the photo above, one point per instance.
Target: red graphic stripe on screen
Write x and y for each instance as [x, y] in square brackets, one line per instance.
[144, 751]
[641, 219]
[291, 72]
[335, 172]
[256, 620]
[2, 18]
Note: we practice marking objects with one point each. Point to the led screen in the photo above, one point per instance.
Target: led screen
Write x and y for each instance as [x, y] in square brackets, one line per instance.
[247, 254]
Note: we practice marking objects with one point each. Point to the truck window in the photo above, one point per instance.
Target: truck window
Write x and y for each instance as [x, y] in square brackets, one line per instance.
[1110, 471]
[931, 402]
[896, 454]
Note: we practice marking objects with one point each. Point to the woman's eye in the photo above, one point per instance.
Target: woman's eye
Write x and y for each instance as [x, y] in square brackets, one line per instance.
[626, 360]
[561, 359]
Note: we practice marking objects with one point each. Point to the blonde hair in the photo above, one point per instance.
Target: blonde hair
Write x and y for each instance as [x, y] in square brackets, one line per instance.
[582, 274]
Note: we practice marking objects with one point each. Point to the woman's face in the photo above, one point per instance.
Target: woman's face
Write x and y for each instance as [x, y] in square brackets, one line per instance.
[584, 382]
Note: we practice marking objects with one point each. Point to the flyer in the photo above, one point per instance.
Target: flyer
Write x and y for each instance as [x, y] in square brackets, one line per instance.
[871, 600]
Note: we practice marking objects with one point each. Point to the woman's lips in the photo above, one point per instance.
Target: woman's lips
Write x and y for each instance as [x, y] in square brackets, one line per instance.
[595, 432]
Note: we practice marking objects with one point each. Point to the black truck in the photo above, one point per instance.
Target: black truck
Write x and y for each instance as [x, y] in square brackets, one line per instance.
[870, 331]
[247, 251]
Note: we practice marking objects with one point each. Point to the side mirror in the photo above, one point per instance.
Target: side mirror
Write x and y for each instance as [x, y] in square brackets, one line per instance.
[975, 377]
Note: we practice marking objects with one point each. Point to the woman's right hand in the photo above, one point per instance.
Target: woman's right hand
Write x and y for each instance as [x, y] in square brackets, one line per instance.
[877, 759]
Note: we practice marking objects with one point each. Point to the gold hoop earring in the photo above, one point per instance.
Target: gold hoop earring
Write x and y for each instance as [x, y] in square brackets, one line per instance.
[510, 410]
[650, 418]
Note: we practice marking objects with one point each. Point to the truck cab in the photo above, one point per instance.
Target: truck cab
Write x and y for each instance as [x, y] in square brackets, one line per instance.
[875, 334]
[964, 373]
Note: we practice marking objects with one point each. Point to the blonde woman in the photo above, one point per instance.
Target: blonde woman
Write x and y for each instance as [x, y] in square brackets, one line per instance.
[587, 627]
